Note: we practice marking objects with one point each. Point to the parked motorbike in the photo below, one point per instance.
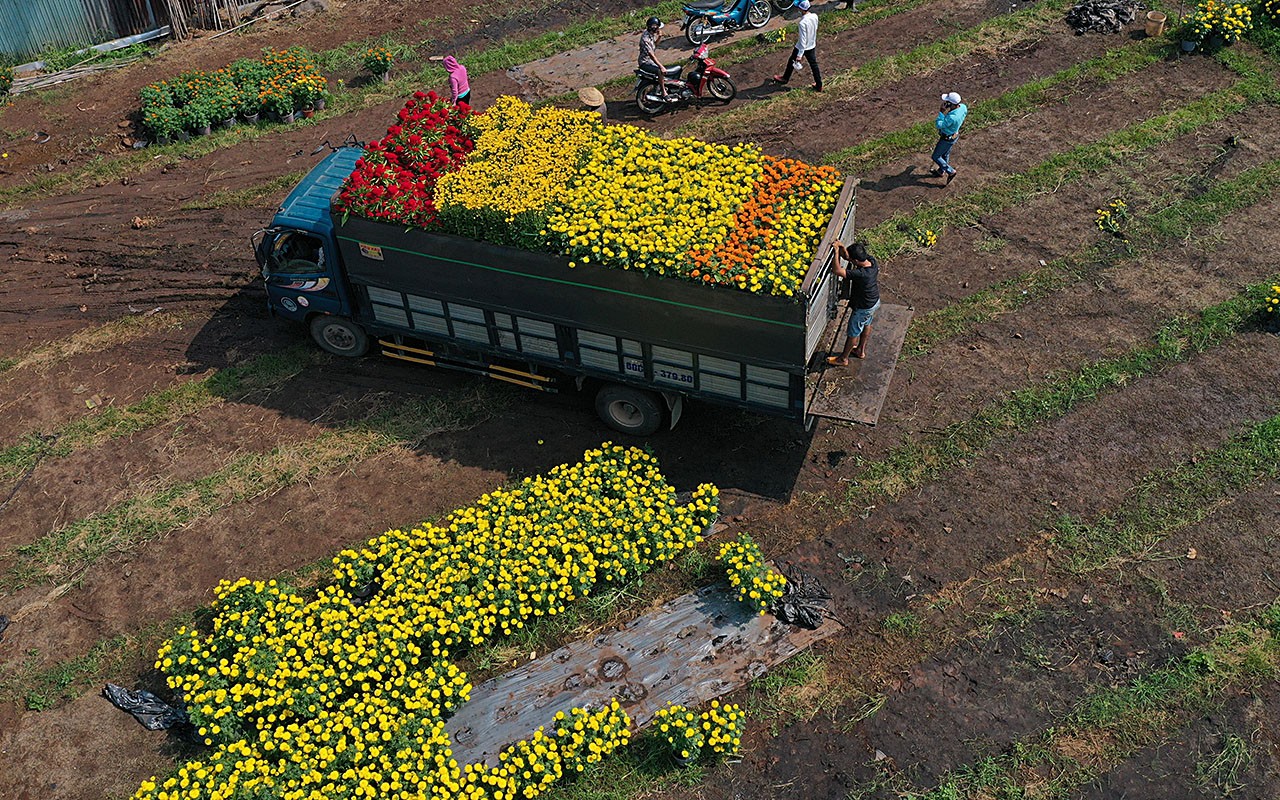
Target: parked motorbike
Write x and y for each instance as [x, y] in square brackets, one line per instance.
[706, 18]
[783, 5]
[704, 80]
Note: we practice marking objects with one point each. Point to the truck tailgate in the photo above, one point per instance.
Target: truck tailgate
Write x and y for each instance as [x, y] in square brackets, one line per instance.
[856, 393]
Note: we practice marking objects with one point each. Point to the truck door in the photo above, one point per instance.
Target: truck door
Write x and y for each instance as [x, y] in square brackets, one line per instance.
[301, 274]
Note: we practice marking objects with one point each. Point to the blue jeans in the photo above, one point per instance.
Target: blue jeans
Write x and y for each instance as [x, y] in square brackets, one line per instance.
[940, 153]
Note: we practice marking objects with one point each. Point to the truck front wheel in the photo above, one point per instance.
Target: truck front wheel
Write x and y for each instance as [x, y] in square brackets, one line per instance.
[339, 336]
[629, 410]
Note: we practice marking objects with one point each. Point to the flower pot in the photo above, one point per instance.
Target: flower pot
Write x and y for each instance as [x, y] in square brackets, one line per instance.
[229, 122]
[1188, 45]
[308, 113]
[681, 761]
[285, 118]
[385, 77]
[204, 130]
[251, 119]
[1155, 23]
[320, 104]
[1216, 42]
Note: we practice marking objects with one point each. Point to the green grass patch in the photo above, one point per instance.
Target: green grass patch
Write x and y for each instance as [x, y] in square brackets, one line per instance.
[999, 31]
[40, 690]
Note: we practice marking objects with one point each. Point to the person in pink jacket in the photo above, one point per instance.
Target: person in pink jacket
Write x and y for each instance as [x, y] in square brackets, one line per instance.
[459, 86]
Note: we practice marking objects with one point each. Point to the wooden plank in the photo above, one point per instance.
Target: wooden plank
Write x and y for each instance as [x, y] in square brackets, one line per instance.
[856, 393]
[690, 651]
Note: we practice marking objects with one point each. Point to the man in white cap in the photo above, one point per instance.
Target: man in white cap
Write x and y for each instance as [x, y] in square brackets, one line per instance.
[950, 118]
[806, 46]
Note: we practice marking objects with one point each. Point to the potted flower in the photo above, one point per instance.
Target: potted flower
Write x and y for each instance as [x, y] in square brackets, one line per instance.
[378, 60]
[6, 79]
[197, 117]
[306, 91]
[278, 103]
[224, 102]
[163, 123]
[1271, 309]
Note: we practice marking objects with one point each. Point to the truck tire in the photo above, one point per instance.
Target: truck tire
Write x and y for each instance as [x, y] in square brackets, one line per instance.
[339, 336]
[628, 410]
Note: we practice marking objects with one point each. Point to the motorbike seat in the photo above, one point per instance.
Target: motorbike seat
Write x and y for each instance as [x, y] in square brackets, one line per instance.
[704, 5]
[670, 72]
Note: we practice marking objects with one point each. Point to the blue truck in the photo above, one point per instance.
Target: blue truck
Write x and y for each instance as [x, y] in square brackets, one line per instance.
[640, 344]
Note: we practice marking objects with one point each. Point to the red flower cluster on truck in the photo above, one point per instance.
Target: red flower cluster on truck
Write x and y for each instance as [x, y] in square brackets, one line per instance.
[396, 177]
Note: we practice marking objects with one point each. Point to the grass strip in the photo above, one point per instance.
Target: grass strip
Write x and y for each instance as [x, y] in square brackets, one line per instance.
[911, 464]
[92, 340]
[1116, 723]
[1104, 69]
[157, 408]
[991, 34]
[1178, 221]
[62, 554]
[1169, 500]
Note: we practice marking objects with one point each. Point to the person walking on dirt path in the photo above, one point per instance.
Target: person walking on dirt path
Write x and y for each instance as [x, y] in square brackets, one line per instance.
[459, 86]
[950, 118]
[860, 274]
[806, 46]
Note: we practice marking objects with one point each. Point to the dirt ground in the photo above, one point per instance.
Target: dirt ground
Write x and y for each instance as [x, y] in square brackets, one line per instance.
[77, 261]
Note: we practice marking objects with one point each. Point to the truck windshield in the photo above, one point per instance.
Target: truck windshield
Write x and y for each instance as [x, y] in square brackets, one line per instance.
[296, 253]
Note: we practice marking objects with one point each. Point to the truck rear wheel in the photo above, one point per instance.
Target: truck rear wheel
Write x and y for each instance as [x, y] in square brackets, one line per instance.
[339, 336]
[628, 410]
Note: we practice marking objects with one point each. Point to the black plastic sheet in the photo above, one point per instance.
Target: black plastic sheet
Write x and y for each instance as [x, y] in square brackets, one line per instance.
[154, 713]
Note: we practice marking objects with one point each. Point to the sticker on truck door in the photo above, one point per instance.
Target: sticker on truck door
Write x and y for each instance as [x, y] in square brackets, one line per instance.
[371, 251]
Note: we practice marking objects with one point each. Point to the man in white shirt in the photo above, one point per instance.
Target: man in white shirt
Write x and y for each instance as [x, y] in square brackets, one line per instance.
[806, 45]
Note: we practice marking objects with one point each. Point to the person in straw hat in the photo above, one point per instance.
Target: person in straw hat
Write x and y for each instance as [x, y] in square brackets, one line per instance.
[593, 99]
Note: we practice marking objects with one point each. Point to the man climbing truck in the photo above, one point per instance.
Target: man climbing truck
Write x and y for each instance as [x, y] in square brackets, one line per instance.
[640, 343]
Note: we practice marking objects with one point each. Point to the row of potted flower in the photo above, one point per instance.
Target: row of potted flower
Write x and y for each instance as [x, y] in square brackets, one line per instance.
[560, 181]
[335, 692]
[280, 84]
[1216, 23]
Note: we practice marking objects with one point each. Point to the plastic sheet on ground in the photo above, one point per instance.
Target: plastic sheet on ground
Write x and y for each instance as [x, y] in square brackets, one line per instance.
[1103, 16]
[154, 713]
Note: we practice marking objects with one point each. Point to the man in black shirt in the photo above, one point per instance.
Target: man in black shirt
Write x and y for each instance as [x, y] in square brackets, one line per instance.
[861, 273]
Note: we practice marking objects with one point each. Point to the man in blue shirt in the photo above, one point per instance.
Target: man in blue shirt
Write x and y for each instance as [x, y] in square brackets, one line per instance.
[950, 118]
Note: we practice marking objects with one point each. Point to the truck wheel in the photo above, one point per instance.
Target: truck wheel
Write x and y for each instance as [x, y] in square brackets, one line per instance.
[339, 336]
[628, 410]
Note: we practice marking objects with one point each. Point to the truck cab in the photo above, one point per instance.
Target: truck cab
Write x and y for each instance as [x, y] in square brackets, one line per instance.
[299, 257]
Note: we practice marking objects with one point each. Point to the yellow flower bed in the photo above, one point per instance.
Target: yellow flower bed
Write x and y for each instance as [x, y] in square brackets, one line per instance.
[640, 202]
[522, 163]
[343, 695]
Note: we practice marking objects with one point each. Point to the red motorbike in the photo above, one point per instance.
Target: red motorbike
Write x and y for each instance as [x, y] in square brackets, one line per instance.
[705, 80]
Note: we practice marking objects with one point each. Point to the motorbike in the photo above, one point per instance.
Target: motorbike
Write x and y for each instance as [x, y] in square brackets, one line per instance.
[704, 80]
[706, 18]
